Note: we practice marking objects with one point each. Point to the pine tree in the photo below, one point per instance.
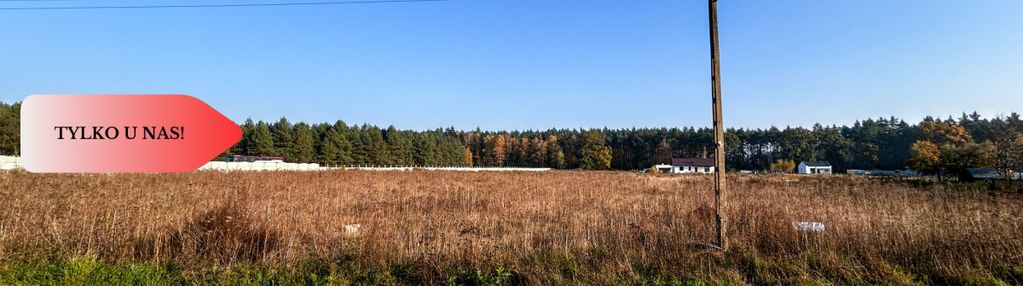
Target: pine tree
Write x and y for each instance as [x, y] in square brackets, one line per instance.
[246, 145]
[283, 139]
[319, 134]
[303, 144]
[262, 140]
[335, 147]
[10, 129]
[376, 147]
[663, 153]
[359, 151]
[424, 151]
[399, 147]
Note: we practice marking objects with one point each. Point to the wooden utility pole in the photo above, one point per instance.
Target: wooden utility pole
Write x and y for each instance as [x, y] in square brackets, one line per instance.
[719, 132]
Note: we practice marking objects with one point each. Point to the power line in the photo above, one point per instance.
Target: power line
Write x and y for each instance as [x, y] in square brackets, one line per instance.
[206, 5]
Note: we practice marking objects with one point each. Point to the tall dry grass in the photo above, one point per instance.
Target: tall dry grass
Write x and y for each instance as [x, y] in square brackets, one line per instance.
[555, 226]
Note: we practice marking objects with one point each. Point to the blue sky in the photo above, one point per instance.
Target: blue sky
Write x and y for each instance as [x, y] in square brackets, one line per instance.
[521, 64]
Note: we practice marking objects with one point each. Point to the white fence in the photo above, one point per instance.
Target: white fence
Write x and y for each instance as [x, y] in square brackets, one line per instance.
[8, 163]
[279, 165]
[261, 166]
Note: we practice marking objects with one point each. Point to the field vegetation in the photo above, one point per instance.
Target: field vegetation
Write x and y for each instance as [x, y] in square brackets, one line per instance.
[561, 227]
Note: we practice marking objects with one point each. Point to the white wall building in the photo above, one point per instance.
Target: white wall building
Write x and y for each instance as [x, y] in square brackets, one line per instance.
[688, 166]
[814, 167]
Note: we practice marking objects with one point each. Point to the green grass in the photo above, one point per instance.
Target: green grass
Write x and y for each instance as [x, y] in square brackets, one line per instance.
[736, 268]
[87, 271]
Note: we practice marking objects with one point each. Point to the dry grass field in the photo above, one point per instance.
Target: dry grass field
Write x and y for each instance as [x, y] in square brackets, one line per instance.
[561, 227]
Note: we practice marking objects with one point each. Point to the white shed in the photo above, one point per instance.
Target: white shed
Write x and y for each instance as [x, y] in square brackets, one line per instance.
[814, 167]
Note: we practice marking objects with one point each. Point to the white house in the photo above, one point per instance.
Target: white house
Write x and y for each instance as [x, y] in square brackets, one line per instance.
[814, 167]
[689, 165]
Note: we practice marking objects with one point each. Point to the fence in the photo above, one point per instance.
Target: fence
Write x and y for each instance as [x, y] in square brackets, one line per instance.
[8, 163]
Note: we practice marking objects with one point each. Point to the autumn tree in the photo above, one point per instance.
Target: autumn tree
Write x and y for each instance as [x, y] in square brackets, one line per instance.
[1008, 152]
[523, 151]
[926, 158]
[956, 159]
[944, 132]
[783, 166]
[537, 153]
[594, 155]
[555, 157]
[495, 146]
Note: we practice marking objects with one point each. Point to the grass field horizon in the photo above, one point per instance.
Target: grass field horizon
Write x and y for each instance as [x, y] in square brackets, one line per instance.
[559, 227]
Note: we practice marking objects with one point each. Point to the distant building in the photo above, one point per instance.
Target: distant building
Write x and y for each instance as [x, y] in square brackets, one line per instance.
[814, 167]
[982, 174]
[692, 165]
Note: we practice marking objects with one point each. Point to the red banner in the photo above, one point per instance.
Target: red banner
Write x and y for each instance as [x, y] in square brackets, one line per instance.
[121, 133]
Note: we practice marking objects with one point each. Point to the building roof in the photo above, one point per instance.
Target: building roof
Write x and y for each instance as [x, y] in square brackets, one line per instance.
[695, 162]
[984, 173]
[816, 163]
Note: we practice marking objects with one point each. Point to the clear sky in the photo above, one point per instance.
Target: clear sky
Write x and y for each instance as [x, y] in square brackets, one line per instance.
[521, 64]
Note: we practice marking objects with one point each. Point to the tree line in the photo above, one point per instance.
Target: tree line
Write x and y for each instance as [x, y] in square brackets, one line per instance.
[943, 147]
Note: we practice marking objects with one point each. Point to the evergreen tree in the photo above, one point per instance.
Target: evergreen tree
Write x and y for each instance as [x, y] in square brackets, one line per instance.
[246, 146]
[424, 152]
[10, 129]
[360, 152]
[335, 147]
[319, 135]
[262, 140]
[283, 139]
[375, 146]
[399, 147]
[663, 153]
[303, 144]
